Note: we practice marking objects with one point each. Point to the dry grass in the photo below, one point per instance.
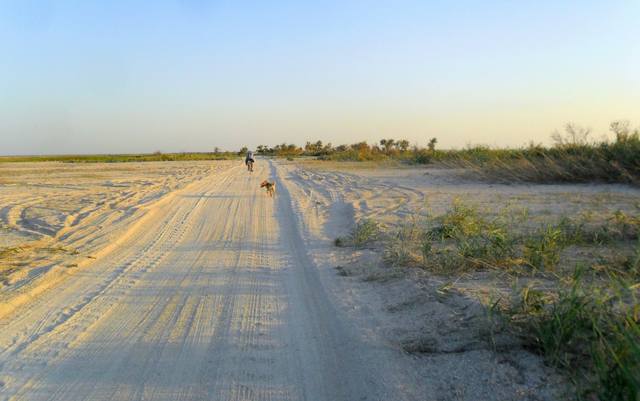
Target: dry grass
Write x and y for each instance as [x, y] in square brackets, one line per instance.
[574, 158]
[122, 158]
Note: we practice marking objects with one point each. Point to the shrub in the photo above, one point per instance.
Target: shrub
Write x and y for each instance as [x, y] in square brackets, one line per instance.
[340, 241]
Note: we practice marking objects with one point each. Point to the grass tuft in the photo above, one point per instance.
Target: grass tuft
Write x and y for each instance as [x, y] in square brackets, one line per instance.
[365, 232]
[542, 250]
[123, 158]
[590, 332]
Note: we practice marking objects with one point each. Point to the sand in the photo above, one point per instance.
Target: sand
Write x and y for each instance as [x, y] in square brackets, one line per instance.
[184, 281]
[55, 217]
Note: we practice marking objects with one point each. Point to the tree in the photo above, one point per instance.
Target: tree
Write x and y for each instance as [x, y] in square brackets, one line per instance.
[387, 144]
[328, 149]
[432, 144]
[622, 130]
[243, 151]
[287, 150]
[313, 149]
[574, 136]
[360, 146]
[402, 145]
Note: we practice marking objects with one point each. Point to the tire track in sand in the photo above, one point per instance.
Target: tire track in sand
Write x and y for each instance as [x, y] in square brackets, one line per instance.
[215, 298]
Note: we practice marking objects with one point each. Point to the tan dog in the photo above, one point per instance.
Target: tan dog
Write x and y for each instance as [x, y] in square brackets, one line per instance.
[271, 187]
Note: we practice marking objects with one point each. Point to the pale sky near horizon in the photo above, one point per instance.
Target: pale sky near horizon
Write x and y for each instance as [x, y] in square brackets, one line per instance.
[140, 76]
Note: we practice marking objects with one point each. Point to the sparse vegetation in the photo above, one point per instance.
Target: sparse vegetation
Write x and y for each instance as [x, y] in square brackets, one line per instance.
[542, 250]
[591, 331]
[12, 257]
[364, 232]
[399, 248]
[572, 158]
[122, 158]
[463, 239]
[584, 321]
[9, 261]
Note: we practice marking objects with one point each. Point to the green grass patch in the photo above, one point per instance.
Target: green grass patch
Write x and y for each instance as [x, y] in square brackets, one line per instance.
[463, 238]
[589, 331]
[365, 232]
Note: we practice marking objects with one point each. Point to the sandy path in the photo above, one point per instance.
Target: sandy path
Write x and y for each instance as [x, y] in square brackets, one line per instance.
[214, 297]
[441, 320]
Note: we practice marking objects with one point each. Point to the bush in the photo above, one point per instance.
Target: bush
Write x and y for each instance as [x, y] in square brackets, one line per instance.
[589, 332]
[581, 161]
[339, 242]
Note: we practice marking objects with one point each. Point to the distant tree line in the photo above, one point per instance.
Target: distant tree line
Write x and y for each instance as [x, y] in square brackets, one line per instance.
[573, 157]
[360, 151]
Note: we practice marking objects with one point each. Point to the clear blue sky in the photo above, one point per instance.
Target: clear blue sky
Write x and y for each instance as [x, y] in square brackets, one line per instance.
[135, 76]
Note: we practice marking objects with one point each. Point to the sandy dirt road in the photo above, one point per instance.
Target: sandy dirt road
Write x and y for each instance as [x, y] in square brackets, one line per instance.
[212, 297]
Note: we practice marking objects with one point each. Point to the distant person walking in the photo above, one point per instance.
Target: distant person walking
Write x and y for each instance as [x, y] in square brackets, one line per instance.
[249, 160]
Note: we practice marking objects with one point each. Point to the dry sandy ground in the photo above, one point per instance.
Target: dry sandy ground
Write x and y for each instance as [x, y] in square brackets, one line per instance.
[208, 289]
[208, 294]
[56, 217]
[440, 320]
